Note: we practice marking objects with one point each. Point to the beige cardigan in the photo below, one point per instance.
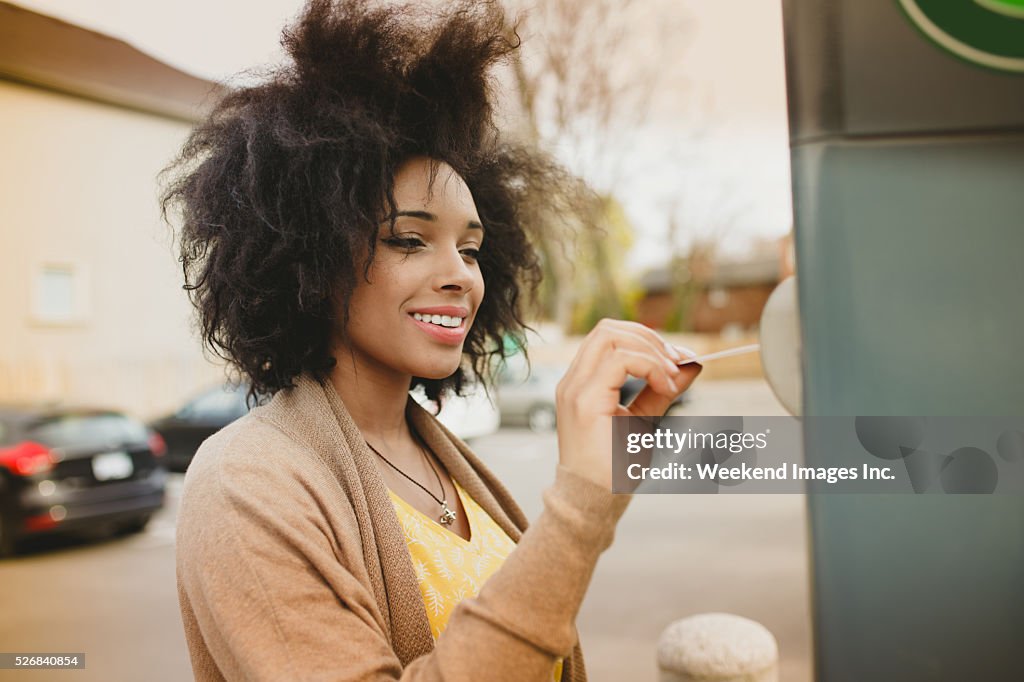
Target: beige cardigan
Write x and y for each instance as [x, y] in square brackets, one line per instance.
[292, 565]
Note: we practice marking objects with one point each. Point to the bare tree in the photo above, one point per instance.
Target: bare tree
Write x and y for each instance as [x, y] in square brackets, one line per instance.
[694, 250]
[587, 77]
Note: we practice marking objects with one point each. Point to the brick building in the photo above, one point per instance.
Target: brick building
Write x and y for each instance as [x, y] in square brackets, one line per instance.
[727, 295]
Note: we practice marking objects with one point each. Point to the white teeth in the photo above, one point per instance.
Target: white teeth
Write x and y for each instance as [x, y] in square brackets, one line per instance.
[440, 320]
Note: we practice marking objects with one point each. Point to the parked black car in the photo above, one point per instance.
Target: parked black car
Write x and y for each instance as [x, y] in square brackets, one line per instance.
[198, 419]
[72, 469]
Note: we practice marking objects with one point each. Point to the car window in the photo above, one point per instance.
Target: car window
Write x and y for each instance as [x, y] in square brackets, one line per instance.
[76, 430]
[217, 404]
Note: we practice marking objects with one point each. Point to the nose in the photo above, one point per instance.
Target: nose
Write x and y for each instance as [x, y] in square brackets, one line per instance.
[454, 272]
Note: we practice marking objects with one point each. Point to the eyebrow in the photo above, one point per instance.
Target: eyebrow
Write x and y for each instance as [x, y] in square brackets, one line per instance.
[430, 217]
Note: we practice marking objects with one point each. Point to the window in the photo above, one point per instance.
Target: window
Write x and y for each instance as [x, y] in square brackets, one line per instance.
[98, 430]
[58, 294]
[718, 297]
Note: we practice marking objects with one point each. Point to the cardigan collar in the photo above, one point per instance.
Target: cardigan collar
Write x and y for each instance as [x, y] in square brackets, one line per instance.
[314, 413]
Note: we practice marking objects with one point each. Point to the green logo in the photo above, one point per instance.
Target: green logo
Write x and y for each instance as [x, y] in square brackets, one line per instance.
[985, 32]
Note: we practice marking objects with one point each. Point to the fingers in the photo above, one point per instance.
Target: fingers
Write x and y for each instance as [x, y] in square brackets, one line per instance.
[658, 374]
[598, 391]
[616, 349]
[610, 334]
[651, 403]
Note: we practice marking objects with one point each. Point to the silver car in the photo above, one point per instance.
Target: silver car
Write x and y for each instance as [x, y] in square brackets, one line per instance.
[528, 398]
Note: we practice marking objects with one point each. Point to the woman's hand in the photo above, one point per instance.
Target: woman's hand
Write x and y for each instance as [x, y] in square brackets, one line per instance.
[588, 395]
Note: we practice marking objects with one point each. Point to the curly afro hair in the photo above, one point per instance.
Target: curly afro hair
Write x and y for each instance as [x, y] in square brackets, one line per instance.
[287, 180]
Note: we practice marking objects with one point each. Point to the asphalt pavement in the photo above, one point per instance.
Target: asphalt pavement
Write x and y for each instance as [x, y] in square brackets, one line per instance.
[680, 555]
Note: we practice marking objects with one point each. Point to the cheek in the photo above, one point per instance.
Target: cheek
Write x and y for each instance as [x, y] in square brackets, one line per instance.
[361, 301]
[385, 280]
[368, 301]
[479, 288]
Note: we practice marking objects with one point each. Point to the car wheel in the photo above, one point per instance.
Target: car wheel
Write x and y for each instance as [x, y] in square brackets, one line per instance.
[136, 525]
[8, 544]
[541, 418]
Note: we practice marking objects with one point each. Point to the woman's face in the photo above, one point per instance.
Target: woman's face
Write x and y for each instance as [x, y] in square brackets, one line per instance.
[425, 285]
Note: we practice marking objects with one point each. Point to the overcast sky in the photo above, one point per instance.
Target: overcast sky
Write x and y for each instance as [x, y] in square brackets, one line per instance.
[737, 171]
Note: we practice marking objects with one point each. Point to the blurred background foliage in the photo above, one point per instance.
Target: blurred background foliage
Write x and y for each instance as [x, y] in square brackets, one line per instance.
[581, 76]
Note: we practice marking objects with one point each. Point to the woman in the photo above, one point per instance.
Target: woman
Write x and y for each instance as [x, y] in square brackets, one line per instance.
[354, 227]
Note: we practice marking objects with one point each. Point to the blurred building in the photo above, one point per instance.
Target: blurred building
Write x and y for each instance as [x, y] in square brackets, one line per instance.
[90, 288]
[725, 296]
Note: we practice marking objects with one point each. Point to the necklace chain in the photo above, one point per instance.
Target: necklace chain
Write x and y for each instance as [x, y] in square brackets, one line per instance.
[447, 516]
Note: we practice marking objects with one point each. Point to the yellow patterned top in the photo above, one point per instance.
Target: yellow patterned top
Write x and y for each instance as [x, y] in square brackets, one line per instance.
[450, 569]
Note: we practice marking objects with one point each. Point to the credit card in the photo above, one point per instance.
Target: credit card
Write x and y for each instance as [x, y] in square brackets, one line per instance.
[739, 350]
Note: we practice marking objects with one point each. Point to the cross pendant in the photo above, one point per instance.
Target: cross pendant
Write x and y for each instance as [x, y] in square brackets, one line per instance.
[447, 517]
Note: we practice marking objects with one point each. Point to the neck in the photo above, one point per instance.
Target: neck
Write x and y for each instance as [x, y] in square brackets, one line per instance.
[376, 397]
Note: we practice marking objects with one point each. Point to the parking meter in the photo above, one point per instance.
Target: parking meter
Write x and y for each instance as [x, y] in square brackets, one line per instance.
[907, 149]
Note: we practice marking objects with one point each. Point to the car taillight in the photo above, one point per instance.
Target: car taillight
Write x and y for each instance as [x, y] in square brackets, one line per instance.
[25, 459]
[157, 444]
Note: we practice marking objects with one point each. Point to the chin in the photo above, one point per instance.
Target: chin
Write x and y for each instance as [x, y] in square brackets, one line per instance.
[437, 375]
[437, 370]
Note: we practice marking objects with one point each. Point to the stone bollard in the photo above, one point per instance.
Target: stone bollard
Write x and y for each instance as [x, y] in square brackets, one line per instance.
[717, 647]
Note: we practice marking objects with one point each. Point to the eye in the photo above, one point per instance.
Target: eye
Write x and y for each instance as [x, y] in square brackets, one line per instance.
[471, 253]
[407, 243]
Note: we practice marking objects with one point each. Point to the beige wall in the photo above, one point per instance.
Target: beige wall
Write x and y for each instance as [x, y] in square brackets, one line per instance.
[78, 191]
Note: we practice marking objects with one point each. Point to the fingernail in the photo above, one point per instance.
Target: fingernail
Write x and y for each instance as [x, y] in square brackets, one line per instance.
[671, 350]
[688, 351]
[672, 367]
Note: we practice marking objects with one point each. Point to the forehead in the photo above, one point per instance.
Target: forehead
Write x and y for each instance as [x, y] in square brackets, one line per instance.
[424, 184]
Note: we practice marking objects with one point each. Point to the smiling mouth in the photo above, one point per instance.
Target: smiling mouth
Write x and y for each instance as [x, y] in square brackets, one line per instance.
[443, 321]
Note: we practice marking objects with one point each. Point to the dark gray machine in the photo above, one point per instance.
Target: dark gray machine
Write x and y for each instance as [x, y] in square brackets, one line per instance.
[907, 135]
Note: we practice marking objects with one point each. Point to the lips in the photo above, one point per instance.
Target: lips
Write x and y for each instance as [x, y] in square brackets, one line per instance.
[449, 310]
[452, 336]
